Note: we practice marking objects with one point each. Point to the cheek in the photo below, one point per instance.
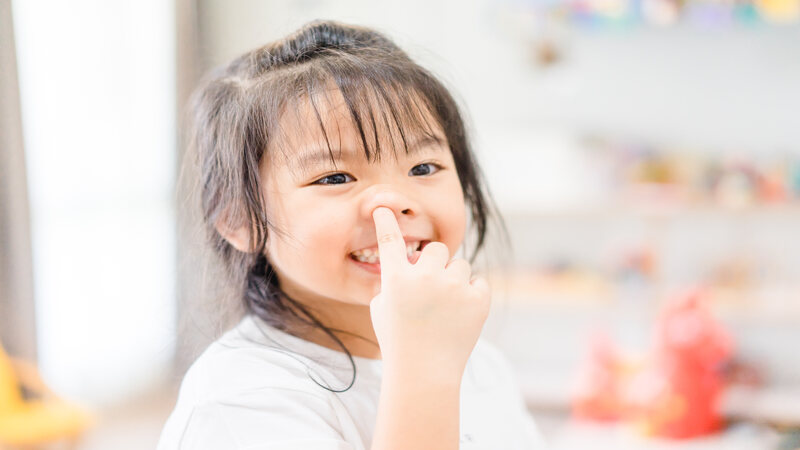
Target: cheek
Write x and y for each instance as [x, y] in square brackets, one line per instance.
[452, 218]
[312, 233]
[456, 229]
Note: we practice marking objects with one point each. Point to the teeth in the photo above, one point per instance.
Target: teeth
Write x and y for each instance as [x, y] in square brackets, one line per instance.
[372, 256]
[368, 259]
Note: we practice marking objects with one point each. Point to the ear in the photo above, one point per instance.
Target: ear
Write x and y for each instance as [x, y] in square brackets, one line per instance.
[239, 238]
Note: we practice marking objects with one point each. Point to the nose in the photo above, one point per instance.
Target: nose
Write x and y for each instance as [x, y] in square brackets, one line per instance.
[394, 199]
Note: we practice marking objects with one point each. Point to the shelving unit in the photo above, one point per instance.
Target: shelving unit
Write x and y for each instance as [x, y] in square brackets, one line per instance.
[569, 280]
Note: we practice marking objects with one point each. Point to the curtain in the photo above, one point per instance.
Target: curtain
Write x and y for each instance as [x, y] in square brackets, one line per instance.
[17, 318]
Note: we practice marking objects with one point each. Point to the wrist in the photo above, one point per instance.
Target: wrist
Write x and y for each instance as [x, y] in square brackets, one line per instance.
[417, 408]
[422, 372]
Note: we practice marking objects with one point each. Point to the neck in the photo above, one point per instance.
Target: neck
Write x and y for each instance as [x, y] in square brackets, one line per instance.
[351, 324]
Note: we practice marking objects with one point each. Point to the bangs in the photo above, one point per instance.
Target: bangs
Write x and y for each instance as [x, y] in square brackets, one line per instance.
[385, 108]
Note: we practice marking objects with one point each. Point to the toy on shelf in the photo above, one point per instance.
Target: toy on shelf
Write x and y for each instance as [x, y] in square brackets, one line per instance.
[641, 174]
[560, 282]
[602, 14]
[793, 178]
[677, 395]
[736, 186]
[675, 392]
[637, 264]
[598, 391]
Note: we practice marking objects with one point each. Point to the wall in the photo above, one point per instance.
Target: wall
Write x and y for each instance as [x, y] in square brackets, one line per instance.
[726, 91]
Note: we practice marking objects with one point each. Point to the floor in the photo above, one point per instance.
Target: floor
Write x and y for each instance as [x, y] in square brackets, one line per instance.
[135, 425]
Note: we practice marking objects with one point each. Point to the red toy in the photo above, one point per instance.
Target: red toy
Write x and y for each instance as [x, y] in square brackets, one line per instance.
[597, 394]
[677, 395]
[673, 395]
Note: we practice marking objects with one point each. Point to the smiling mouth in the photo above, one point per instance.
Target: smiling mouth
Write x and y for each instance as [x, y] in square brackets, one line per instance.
[372, 255]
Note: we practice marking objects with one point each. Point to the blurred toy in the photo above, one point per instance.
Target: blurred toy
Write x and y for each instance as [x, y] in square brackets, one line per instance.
[653, 168]
[772, 187]
[794, 178]
[733, 273]
[779, 11]
[707, 14]
[746, 13]
[677, 395]
[737, 186]
[741, 372]
[650, 175]
[598, 389]
[30, 414]
[545, 52]
[661, 12]
[638, 264]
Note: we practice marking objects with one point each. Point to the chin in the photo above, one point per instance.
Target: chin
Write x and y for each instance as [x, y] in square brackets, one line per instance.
[365, 296]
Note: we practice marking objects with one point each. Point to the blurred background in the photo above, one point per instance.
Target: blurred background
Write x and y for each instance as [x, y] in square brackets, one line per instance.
[645, 155]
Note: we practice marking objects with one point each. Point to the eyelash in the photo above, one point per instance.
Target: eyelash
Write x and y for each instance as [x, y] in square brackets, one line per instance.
[321, 181]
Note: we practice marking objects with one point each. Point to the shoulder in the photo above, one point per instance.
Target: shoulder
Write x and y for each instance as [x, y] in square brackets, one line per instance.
[240, 362]
[242, 391]
[488, 365]
[485, 350]
[494, 409]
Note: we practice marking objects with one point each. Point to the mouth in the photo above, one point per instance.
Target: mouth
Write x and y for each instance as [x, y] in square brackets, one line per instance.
[372, 255]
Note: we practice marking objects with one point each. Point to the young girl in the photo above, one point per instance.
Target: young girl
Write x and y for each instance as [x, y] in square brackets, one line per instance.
[336, 183]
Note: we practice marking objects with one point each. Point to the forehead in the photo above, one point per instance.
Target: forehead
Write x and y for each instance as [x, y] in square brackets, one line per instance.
[330, 125]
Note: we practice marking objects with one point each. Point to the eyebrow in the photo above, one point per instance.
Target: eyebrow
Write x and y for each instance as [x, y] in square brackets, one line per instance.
[318, 156]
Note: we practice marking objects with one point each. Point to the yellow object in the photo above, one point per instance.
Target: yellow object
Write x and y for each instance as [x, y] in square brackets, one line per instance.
[30, 422]
[779, 11]
[10, 395]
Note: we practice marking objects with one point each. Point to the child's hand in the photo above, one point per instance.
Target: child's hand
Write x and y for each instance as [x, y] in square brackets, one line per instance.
[428, 315]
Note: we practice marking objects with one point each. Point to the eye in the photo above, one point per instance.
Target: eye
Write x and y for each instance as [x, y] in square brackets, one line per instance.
[336, 178]
[424, 169]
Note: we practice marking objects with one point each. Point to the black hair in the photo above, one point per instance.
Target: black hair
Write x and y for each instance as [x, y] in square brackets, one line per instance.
[236, 113]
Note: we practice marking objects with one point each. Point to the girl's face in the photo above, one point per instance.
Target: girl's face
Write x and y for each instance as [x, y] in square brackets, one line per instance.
[323, 244]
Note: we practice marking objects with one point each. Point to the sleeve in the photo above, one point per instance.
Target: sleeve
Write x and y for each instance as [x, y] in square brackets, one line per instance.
[266, 419]
[533, 437]
[529, 433]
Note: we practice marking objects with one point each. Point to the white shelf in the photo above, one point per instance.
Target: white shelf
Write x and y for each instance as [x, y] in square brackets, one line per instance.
[626, 211]
[744, 308]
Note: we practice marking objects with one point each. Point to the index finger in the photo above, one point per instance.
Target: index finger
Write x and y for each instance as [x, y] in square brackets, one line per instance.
[391, 246]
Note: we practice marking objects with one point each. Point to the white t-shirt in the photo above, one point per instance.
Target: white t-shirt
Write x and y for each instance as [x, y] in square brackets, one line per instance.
[252, 389]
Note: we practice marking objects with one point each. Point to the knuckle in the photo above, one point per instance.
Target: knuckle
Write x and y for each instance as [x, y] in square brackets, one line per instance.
[439, 245]
[478, 303]
[452, 282]
[436, 247]
[427, 278]
[480, 287]
[460, 263]
[481, 297]
[387, 238]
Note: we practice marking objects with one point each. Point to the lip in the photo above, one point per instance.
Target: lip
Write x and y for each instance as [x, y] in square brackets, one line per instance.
[406, 240]
[372, 268]
[376, 267]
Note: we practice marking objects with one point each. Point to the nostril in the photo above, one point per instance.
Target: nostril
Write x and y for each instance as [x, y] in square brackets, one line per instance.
[405, 211]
